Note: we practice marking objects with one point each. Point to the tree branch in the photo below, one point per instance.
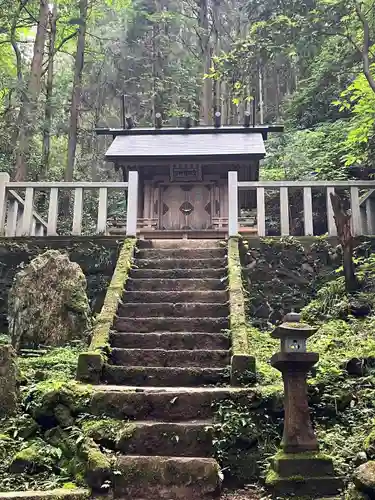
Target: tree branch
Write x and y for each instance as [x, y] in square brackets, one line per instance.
[366, 47]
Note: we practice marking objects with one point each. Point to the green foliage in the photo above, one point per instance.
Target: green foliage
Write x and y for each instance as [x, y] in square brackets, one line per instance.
[331, 303]
[359, 98]
[313, 153]
[58, 364]
[243, 440]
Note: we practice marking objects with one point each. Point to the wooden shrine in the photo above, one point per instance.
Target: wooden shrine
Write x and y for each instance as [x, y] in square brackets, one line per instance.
[183, 172]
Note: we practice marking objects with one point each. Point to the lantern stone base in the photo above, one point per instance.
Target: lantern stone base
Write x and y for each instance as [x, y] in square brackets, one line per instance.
[303, 474]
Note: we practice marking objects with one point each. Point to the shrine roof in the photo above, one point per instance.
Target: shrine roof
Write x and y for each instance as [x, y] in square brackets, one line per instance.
[210, 144]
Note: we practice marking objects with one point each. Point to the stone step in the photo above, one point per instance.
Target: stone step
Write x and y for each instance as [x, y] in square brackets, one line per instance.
[60, 493]
[165, 404]
[180, 263]
[168, 324]
[174, 284]
[169, 358]
[162, 376]
[176, 273]
[166, 478]
[171, 340]
[181, 243]
[179, 439]
[180, 310]
[181, 253]
[213, 297]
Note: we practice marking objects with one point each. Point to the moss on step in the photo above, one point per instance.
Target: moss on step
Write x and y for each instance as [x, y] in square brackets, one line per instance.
[242, 363]
[98, 466]
[100, 337]
[106, 432]
[90, 364]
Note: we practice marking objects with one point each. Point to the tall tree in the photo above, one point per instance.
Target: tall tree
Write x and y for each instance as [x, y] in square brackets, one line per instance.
[28, 107]
[46, 146]
[205, 48]
[77, 91]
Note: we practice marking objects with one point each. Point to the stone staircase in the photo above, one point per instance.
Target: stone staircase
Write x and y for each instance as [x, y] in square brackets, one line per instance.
[169, 365]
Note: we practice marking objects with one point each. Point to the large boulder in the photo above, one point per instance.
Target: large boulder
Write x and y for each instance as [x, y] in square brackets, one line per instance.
[48, 303]
[8, 380]
[364, 478]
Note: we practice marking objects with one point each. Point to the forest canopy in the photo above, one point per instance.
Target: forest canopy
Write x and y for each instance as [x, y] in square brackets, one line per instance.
[65, 66]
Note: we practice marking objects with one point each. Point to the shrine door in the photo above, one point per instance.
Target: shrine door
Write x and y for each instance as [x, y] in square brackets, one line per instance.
[185, 206]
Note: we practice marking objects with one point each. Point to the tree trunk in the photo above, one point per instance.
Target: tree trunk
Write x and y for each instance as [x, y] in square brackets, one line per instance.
[216, 26]
[77, 90]
[46, 146]
[344, 233]
[206, 103]
[76, 101]
[157, 63]
[26, 117]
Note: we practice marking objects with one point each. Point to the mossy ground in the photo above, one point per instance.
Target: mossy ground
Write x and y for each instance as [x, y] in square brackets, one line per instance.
[52, 425]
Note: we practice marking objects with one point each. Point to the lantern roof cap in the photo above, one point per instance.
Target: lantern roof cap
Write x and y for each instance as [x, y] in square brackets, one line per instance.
[292, 326]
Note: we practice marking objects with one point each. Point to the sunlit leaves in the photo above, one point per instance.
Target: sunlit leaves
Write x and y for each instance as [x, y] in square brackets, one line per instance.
[360, 99]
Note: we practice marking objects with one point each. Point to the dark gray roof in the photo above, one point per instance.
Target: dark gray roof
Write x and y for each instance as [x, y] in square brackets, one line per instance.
[213, 145]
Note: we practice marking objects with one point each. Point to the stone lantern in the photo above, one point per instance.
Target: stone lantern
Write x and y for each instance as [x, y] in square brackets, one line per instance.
[298, 468]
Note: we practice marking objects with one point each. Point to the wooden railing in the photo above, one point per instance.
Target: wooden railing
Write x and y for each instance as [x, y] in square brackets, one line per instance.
[18, 216]
[15, 216]
[360, 194]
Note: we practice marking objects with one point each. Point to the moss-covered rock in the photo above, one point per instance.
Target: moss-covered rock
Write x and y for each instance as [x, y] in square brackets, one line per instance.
[364, 478]
[98, 466]
[37, 457]
[48, 303]
[105, 431]
[8, 380]
[45, 397]
[63, 415]
[62, 439]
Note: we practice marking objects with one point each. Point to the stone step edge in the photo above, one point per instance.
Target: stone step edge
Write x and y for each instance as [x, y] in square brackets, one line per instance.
[170, 351]
[74, 494]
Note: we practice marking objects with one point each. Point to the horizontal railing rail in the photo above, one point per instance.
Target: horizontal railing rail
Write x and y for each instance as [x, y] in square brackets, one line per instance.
[18, 216]
[362, 205]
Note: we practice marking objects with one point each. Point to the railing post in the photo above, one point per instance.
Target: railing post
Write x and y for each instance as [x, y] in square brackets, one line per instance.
[132, 208]
[284, 211]
[261, 212]
[232, 204]
[12, 219]
[370, 216]
[356, 215]
[27, 219]
[4, 179]
[308, 212]
[332, 230]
